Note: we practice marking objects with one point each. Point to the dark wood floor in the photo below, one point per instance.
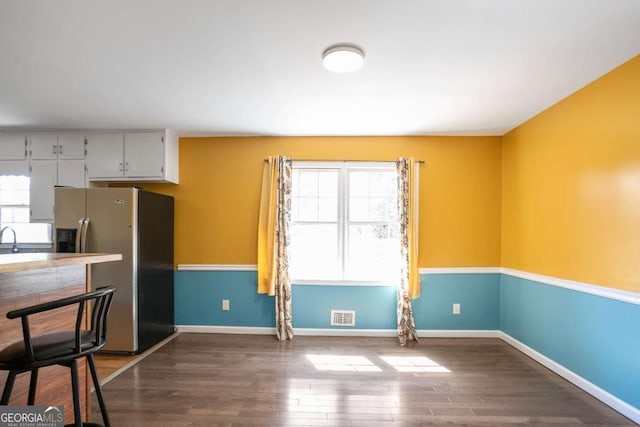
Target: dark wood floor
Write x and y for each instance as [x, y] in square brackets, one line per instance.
[237, 380]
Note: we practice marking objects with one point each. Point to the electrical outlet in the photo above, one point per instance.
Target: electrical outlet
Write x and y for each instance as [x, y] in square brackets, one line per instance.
[456, 308]
[225, 305]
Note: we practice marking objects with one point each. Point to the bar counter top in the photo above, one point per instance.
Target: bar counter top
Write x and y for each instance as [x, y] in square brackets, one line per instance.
[10, 263]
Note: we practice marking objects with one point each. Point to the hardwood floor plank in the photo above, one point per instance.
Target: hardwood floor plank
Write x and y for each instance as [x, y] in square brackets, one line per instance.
[238, 380]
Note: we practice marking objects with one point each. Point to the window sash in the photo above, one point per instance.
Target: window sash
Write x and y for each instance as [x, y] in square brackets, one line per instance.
[343, 222]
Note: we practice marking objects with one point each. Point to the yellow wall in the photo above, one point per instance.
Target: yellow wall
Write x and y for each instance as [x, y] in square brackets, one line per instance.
[571, 186]
[220, 178]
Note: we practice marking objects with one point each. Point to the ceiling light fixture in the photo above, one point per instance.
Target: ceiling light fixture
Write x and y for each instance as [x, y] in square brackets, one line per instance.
[343, 58]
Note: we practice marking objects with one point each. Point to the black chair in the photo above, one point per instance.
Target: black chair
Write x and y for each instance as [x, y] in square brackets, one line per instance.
[60, 348]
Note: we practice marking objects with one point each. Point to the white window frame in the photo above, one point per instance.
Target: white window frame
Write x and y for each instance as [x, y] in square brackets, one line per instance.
[343, 199]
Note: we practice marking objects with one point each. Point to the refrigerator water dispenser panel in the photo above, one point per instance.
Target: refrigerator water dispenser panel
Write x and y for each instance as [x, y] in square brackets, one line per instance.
[66, 240]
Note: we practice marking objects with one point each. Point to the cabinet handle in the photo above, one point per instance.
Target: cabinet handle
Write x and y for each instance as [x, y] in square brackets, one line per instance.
[120, 167]
[60, 149]
[126, 167]
[55, 151]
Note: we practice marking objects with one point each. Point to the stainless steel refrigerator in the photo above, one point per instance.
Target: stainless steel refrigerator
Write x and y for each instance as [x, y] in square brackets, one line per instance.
[139, 225]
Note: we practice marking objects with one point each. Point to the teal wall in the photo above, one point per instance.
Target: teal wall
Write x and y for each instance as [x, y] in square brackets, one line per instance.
[199, 294]
[595, 337]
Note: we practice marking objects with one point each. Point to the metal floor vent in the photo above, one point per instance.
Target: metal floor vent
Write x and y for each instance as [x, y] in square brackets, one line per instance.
[343, 317]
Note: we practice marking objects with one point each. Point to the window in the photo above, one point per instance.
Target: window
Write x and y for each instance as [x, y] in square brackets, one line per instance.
[15, 212]
[344, 223]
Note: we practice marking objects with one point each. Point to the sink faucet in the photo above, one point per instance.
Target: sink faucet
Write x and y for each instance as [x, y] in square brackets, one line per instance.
[14, 248]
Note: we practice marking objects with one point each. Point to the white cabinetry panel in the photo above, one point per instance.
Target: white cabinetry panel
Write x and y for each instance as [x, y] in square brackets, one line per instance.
[71, 173]
[71, 147]
[43, 180]
[13, 147]
[132, 156]
[105, 156]
[44, 147]
[143, 155]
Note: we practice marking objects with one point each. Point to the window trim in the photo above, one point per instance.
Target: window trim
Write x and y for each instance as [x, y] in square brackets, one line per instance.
[343, 166]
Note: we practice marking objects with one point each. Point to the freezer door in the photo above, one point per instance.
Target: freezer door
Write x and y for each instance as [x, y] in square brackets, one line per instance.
[112, 214]
[155, 272]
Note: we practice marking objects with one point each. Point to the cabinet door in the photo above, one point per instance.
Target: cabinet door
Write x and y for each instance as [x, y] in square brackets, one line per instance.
[143, 155]
[43, 180]
[13, 147]
[71, 173]
[70, 147]
[105, 156]
[44, 147]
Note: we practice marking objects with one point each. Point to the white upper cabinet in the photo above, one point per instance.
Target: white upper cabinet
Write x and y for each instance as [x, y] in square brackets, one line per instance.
[44, 147]
[105, 156]
[54, 147]
[13, 147]
[132, 156]
[143, 155]
[71, 147]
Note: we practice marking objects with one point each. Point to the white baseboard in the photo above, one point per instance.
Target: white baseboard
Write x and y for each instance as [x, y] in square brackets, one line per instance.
[313, 332]
[425, 333]
[619, 405]
[454, 333]
[241, 330]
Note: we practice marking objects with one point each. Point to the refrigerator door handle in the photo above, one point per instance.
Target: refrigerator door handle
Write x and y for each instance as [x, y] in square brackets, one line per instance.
[79, 235]
[83, 237]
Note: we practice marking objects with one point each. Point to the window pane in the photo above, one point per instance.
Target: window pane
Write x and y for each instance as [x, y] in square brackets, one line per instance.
[359, 209]
[307, 183]
[373, 196]
[328, 184]
[374, 252]
[307, 209]
[314, 195]
[13, 214]
[359, 184]
[327, 209]
[383, 209]
[313, 252]
[28, 232]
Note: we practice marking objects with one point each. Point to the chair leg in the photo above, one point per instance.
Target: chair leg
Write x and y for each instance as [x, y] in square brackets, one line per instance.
[75, 389]
[8, 387]
[32, 386]
[96, 385]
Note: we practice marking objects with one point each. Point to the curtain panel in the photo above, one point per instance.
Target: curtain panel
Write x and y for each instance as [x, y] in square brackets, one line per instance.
[273, 240]
[409, 287]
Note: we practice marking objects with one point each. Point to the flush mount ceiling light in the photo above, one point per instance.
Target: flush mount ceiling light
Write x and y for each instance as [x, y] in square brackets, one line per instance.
[343, 58]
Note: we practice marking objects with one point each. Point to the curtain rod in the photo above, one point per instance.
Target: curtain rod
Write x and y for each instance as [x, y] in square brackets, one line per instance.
[344, 160]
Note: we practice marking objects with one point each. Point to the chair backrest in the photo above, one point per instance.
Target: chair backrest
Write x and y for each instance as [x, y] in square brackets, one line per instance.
[100, 300]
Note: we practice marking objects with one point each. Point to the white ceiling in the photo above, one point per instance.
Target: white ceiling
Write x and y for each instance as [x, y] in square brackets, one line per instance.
[253, 67]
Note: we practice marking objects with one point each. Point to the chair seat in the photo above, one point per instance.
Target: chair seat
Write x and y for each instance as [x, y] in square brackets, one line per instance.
[59, 348]
[45, 348]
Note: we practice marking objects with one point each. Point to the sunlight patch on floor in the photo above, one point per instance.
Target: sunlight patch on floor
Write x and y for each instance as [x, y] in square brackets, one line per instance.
[413, 364]
[330, 362]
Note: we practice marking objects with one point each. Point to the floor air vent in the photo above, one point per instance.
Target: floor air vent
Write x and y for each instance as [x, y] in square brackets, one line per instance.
[343, 317]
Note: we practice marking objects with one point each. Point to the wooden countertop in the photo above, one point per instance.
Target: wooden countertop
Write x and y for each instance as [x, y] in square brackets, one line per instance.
[10, 263]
